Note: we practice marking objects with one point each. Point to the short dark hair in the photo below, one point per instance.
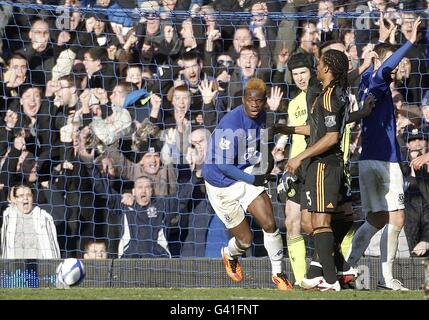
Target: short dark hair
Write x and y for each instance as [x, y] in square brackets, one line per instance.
[254, 49]
[23, 88]
[70, 81]
[301, 29]
[382, 49]
[97, 53]
[191, 55]
[134, 65]
[27, 166]
[242, 26]
[17, 56]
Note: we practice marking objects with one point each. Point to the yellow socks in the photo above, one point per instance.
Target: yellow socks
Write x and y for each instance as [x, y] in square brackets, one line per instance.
[296, 249]
[347, 242]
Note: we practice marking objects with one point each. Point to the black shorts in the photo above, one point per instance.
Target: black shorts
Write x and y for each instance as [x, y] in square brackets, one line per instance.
[296, 194]
[323, 183]
[296, 191]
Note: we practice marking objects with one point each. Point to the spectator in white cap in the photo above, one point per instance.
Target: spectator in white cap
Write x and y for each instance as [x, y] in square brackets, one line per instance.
[149, 6]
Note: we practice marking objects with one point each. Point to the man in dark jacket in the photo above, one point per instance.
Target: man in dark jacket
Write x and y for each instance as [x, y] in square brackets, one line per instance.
[143, 223]
[101, 74]
[41, 56]
[416, 202]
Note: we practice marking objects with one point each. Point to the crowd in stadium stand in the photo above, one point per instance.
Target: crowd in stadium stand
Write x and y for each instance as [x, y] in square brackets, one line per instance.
[106, 110]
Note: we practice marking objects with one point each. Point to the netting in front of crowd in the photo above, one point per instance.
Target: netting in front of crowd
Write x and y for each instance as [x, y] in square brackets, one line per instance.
[107, 109]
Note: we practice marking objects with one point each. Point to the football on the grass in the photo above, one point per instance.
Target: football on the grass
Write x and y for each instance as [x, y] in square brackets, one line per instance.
[70, 272]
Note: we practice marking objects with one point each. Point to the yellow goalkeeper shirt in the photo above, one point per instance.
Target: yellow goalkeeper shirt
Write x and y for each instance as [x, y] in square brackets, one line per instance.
[297, 116]
[345, 143]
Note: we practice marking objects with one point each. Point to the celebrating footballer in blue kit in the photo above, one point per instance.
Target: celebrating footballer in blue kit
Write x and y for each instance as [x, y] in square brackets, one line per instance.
[380, 175]
[235, 174]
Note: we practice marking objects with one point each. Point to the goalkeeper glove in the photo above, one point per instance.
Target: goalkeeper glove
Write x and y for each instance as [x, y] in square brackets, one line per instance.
[287, 179]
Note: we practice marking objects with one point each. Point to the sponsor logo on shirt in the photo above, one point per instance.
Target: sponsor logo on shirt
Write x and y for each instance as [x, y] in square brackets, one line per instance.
[252, 153]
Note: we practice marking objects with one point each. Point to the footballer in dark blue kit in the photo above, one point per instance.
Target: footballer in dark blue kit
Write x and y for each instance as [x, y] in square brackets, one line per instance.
[235, 172]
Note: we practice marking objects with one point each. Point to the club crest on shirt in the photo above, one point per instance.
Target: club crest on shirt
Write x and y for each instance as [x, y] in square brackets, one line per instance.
[330, 121]
[152, 212]
[401, 198]
[224, 144]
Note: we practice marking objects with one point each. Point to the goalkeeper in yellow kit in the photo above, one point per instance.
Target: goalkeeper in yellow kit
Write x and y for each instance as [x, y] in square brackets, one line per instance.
[300, 69]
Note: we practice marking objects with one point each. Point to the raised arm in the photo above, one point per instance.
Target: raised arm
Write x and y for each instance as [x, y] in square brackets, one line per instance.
[103, 189]
[126, 168]
[383, 73]
[393, 61]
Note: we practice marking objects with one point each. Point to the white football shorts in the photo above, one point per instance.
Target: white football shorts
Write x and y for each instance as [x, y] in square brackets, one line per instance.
[381, 186]
[230, 203]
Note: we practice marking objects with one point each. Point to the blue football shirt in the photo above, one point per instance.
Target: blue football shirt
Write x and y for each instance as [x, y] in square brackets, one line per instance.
[235, 141]
[379, 128]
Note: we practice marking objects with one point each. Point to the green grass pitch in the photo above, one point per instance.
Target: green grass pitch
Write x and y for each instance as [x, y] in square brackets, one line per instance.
[201, 294]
